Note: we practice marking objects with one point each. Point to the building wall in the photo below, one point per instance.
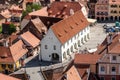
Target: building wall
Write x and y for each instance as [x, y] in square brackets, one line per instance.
[109, 77]
[101, 10]
[15, 66]
[91, 10]
[50, 40]
[105, 67]
[63, 50]
[114, 12]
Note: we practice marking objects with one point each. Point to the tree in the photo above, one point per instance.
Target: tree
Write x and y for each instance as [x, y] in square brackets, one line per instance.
[36, 6]
[12, 28]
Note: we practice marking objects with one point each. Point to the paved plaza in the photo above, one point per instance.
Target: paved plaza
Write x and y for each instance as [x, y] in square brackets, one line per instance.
[97, 35]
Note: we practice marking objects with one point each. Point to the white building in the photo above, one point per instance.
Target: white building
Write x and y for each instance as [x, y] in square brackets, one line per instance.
[64, 38]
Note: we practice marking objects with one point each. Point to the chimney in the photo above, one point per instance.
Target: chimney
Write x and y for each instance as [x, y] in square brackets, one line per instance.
[5, 43]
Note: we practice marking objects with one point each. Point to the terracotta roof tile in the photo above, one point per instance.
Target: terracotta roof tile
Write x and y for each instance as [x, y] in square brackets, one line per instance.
[38, 24]
[86, 58]
[5, 55]
[18, 50]
[15, 7]
[13, 53]
[67, 28]
[30, 38]
[6, 77]
[41, 12]
[72, 74]
[61, 9]
[83, 73]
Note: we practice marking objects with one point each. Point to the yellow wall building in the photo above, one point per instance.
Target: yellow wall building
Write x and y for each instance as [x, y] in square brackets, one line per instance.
[12, 58]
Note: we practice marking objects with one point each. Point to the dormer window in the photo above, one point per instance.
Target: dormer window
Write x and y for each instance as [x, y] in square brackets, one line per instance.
[71, 27]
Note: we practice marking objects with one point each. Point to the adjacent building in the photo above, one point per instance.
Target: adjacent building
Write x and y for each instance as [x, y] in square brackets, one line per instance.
[102, 10]
[64, 38]
[12, 57]
[91, 5]
[31, 42]
[114, 10]
[35, 26]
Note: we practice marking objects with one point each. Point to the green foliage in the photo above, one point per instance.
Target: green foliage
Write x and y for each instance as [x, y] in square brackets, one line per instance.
[30, 8]
[24, 13]
[36, 6]
[0, 29]
[12, 28]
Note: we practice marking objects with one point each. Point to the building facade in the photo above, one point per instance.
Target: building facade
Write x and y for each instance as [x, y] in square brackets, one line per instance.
[91, 5]
[101, 10]
[114, 10]
[64, 38]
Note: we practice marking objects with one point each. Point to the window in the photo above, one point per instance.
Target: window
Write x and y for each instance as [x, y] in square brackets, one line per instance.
[46, 47]
[102, 78]
[102, 68]
[71, 48]
[64, 55]
[10, 66]
[81, 32]
[68, 52]
[113, 78]
[3, 66]
[113, 69]
[54, 47]
[113, 57]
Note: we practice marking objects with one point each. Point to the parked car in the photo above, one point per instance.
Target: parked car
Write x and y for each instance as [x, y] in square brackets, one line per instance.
[111, 29]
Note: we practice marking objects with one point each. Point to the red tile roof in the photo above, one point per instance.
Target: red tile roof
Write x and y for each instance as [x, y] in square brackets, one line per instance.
[13, 53]
[18, 50]
[72, 74]
[67, 28]
[6, 77]
[39, 25]
[5, 55]
[62, 9]
[41, 12]
[86, 58]
[30, 38]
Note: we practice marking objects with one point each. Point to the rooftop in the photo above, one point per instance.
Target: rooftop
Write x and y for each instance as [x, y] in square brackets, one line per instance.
[6, 77]
[67, 28]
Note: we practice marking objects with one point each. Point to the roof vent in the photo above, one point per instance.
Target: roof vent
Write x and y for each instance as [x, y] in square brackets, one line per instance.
[59, 35]
[71, 11]
[65, 5]
[76, 23]
[65, 31]
[71, 27]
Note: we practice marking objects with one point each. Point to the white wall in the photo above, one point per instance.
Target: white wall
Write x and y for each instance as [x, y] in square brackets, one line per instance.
[50, 40]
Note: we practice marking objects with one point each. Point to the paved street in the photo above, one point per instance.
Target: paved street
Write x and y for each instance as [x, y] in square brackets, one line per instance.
[97, 35]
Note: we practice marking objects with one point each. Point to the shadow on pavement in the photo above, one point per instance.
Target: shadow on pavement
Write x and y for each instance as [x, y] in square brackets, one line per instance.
[36, 63]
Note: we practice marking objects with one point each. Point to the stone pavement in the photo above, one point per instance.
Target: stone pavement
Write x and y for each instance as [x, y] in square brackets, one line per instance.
[97, 35]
